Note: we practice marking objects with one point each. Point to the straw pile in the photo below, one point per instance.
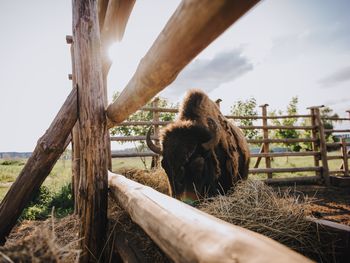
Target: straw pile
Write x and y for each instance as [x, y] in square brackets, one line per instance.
[52, 240]
[252, 205]
[257, 207]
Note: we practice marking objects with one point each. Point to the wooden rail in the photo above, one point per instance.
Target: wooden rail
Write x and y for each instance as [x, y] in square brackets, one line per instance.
[186, 234]
[318, 155]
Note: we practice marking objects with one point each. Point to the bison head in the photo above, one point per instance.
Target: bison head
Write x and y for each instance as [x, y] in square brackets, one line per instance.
[187, 158]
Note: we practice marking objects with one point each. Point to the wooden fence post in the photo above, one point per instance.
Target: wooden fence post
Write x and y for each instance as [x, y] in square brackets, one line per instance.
[155, 159]
[323, 146]
[93, 185]
[345, 157]
[266, 137]
[316, 143]
[75, 141]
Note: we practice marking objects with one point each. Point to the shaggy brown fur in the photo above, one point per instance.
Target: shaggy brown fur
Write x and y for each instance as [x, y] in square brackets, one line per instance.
[199, 129]
[197, 107]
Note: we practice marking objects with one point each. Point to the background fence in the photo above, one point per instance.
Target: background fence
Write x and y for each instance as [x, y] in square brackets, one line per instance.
[320, 151]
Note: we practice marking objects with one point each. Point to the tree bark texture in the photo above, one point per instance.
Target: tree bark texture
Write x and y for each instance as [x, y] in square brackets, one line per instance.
[92, 122]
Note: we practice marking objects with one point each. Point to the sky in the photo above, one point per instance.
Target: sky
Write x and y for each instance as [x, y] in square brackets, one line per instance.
[278, 50]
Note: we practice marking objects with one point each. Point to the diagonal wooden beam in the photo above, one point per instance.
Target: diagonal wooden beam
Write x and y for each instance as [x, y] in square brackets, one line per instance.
[193, 26]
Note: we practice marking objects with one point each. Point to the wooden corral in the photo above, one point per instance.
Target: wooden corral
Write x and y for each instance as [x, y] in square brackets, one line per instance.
[185, 234]
[319, 145]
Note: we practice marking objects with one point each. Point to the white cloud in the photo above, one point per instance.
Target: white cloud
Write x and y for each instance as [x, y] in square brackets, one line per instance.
[209, 74]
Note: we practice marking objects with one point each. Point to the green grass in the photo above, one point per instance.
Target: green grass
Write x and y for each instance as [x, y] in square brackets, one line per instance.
[130, 163]
[59, 176]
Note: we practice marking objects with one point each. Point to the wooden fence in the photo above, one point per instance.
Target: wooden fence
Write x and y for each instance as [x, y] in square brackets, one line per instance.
[96, 24]
[319, 151]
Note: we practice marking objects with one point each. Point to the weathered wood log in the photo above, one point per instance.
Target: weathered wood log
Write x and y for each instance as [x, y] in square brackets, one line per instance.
[266, 148]
[133, 154]
[268, 117]
[114, 17]
[345, 164]
[186, 234]
[285, 170]
[115, 20]
[336, 130]
[277, 127]
[75, 141]
[171, 110]
[193, 26]
[131, 138]
[286, 141]
[284, 154]
[323, 146]
[93, 161]
[135, 123]
[46, 153]
[300, 180]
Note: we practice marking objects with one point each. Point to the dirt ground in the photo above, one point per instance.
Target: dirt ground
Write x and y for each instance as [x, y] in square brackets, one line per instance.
[329, 203]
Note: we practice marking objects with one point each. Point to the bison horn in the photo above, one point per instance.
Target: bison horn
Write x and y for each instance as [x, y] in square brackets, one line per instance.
[151, 145]
[214, 130]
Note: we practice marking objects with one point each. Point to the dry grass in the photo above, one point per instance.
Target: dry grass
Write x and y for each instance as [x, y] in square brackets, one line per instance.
[252, 205]
[52, 240]
[282, 217]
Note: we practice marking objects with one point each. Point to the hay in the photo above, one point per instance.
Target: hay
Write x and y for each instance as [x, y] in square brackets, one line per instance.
[252, 205]
[155, 178]
[257, 207]
[53, 240]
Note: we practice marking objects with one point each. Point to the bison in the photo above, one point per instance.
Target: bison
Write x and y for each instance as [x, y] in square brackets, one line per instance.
[204, 154]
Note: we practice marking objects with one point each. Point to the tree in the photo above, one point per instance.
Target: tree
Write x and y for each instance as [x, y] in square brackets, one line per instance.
[142, 130]
[292, 109]
[245, 108]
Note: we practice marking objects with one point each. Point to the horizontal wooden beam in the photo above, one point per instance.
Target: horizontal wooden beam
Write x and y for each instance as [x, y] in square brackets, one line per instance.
[334, 157]
[193, 26]
[130, 138]
[289, 140]
[285, 154]
[280, 127]
[268, 117]
[335, 130]
[136, 123]
[170, 110]
[293, 180]
[133, 154]
[186, 234]
[335, 118]
[336, 172]
[336, 144]
[284, 170]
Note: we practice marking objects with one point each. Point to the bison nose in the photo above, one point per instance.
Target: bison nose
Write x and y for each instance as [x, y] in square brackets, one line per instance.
[189, 198]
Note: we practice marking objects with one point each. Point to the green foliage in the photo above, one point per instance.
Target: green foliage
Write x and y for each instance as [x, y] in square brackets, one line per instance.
[142, 130]
[12, 162]
[292, 109]
[44, 200]
[245, 108]
[143, 116]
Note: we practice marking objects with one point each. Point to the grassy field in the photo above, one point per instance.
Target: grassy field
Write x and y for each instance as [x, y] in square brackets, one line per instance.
[61, 173]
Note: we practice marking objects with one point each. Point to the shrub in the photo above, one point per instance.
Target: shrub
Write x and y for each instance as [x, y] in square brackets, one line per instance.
[12, 162]
[44, 200]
